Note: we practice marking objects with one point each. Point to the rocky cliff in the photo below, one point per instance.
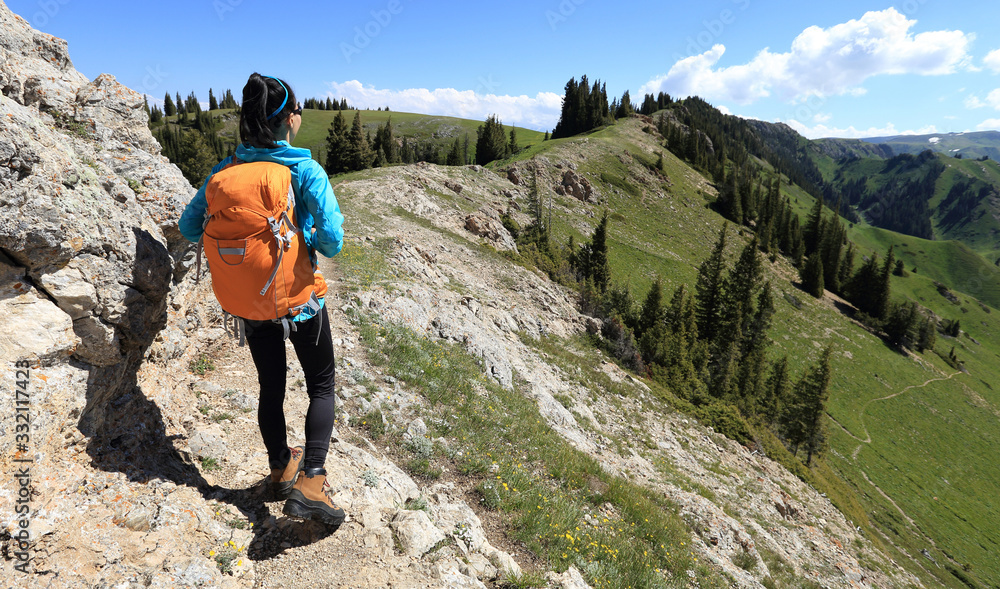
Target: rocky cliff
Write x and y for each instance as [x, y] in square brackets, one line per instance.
[143, 458]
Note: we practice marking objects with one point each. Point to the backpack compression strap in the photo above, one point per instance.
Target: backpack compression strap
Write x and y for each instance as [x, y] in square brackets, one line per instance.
[284, 241]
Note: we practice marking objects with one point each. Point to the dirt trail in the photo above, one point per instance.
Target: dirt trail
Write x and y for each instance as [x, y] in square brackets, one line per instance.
[868, 440]
[868, 437]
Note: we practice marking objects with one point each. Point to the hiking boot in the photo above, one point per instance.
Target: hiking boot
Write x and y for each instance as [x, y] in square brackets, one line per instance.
[283, 479]
[308, 499]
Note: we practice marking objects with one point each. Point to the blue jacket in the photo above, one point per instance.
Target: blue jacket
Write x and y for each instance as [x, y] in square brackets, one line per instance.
[316, 206]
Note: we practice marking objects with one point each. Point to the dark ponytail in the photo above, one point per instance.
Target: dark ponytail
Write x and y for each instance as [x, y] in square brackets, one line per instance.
[266, 102]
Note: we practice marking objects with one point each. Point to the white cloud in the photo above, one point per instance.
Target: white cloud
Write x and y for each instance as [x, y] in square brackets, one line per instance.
[540, 112]
[822, 118]
[851, 132]
[992, 100]
[992, 61]
[821, 62]
[989, 125]
[972, 102]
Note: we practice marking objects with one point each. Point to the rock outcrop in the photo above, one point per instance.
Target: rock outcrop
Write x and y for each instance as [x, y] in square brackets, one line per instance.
[87, 222]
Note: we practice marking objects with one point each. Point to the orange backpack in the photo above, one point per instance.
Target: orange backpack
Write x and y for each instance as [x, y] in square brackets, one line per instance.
[260, 264]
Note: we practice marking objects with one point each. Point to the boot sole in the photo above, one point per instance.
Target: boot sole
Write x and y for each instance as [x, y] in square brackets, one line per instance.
[313, 510]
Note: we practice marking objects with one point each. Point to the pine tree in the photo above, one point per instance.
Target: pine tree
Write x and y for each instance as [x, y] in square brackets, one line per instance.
[213, 104]
[228, 101]
[813, 231]
[831, 247]
[405, 152]
[584, 107]
[181, 109]
[884, 287]
[512, 145]
[846, 267]
[491, 143]
[169, 109]
[902, 323]
[681, 316]
[385, 141]
[336, 145]
[811, 275]
[191, 104]
[863, 289]
[927, 334]
[812, 393]
[358, 154]
[739, 290]
[625, 108]
[194, 157]
[708, 290]
[754, 353]
[599, 268]
[652, 337]
[155, 115]
[455, 155]
[776, 391]
[652, 312]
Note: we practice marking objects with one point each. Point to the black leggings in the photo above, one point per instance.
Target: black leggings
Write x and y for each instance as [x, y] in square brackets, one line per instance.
[318, 364]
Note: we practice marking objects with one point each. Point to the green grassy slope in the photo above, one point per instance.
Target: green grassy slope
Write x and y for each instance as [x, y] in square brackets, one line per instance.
[971, 216]
[438, 129]
[980, 228]
[926, 442]
[950, 262]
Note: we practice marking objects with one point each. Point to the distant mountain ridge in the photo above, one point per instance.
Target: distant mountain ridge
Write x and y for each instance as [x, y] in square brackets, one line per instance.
[969, 145]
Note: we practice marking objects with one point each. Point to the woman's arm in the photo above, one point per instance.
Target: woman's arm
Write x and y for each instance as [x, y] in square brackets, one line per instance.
[324, 210]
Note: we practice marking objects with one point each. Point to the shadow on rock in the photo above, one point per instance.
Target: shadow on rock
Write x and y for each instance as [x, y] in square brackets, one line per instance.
[276, 534]
[125, 428]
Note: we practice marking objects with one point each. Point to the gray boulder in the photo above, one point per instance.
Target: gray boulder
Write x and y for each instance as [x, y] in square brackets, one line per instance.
[88, 218]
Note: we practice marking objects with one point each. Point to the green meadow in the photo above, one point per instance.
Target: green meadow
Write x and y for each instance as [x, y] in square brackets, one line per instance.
[439, 130]
[924, 481]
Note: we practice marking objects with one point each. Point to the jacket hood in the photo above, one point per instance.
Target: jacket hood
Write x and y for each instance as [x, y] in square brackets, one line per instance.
[283, 154]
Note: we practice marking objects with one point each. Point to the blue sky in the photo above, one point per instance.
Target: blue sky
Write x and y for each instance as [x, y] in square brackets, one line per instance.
[849, 68]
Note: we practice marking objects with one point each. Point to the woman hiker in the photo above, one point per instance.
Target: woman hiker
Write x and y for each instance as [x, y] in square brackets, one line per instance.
[262, 215]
